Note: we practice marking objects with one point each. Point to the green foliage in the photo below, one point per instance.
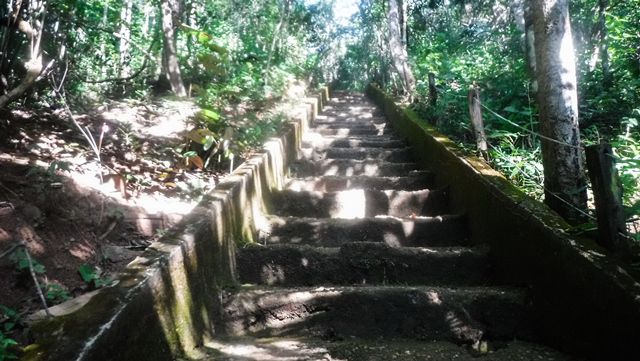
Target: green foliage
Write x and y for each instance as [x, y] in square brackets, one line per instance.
[21, 261]
[9, 319]
[91, 275]
[55, 293]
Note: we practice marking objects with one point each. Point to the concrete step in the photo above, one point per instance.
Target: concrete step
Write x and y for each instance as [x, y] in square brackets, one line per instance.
[346, 132]
[319, 142]
[349, 167]
[359, 203]
[414, 180]
[332, 119]
[361, 263]
[335, 347]
[362, 124]
[448, 230]
[463, 315]
[393, 155]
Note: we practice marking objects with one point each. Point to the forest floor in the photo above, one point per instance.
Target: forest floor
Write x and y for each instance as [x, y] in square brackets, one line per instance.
[82, 219]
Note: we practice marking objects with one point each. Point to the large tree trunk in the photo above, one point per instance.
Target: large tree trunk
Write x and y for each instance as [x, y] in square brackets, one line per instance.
[170, 54]
[398, 51]
[564, 181]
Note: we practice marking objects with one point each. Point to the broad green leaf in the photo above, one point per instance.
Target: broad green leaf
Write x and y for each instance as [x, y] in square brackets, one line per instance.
[210, 114]
[87, 272]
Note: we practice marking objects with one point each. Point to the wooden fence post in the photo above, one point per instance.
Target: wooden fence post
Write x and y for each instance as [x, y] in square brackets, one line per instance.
[607, 194]
[433, 91]
[475, 112]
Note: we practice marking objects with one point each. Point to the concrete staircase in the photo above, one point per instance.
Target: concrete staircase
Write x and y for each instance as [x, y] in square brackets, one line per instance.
[361, 259]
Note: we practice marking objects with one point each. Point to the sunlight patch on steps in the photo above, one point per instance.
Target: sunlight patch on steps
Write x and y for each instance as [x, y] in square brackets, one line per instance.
[267, 350]
[350, 204]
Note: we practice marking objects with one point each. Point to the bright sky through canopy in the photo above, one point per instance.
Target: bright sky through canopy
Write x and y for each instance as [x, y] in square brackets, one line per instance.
[344, 9]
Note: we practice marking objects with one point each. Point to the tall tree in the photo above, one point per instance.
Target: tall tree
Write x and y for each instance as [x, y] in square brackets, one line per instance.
[170, 14]
[125, 38]
[564, 178]
[398, 49]
[35, 11]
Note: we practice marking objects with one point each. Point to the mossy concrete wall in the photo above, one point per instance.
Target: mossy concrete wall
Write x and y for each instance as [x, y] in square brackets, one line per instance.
[585, 302]
[166, 302]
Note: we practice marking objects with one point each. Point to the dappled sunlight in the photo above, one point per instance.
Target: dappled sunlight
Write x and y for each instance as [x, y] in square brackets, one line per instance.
[269, 350]
[350, 204]
[272, 274]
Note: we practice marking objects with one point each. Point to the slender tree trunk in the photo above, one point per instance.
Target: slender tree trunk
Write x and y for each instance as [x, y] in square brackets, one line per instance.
[403, 22]
[125, 38]
[604, 44]
[398, 51]
[564, 180]
[103, 40]
[530, 45]
[170, 9]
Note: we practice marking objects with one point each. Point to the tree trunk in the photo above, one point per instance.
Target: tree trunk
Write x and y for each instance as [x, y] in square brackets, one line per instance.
[530, 45]
[170, 54]
[125, 38]
[607, 80]
[398, 51]
[34, 65]
[564, 180]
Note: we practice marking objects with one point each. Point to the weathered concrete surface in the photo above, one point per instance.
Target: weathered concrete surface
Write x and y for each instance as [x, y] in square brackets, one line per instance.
[464, 315]
[164, 303]
[336, 349]
[413, 181]
[447, 230]
[362, 263]
[585, 302]
[360, 203]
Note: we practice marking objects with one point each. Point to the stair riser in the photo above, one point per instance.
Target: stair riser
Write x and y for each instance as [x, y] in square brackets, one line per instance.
[398, 155]
[350, 125]
[335, 184]
[346, 132]
[346, 167]
[353, 265]
[359, 203]
[321, 143]
[323, 119]
[449, 231]
[426, 314]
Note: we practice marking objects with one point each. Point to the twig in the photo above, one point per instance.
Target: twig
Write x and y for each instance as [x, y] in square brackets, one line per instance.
[35, 280]
[10, 249]
[9, 190]
[109, 229]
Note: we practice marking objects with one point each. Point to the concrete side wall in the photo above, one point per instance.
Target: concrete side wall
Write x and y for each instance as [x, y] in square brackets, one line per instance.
[585, 302]
[166, 303]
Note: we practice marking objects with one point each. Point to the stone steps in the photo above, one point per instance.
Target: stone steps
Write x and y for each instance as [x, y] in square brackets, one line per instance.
[319, 142]
[359, 203]
[335, 347]
[414, 180]
[446, 230]
[360, 259]
[460, 314]
[350, 167]
[393, 155]
[362, 263]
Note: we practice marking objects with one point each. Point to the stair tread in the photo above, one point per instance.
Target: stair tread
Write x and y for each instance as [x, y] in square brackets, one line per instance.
[334, 347]
[335, 183]
[463, 314]
[362, 263]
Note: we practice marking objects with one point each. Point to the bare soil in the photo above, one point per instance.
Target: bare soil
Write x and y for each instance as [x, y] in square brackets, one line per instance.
[69, 210]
